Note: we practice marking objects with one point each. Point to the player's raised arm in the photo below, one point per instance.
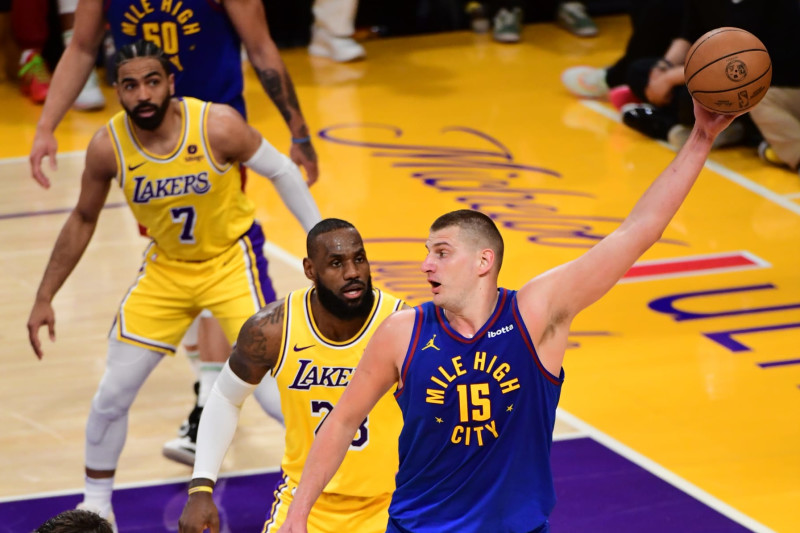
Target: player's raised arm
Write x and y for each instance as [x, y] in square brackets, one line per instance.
[255, 353]
[70, 76]
[100, 169]
[377, 371]
[232, 139]
[550, 301]
[250, 21]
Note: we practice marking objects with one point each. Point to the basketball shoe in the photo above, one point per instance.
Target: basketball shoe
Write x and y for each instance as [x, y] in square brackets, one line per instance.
[478, 20]
[34, 78]
[507, 25]
[586, 82]
[767, 154]
[341, 49]
[648, 120]
[90, 97]
[182, 449]
[572, 17]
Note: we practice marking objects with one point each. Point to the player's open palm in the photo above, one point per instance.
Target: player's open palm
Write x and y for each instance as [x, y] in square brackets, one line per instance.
[199, 514]
[712, 123]
[41, 314]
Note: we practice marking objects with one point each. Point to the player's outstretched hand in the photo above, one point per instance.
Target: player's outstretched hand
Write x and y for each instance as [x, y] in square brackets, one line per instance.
[44, 144]
[199, 514]
[41, 314]
[304, 155]
[711, 123]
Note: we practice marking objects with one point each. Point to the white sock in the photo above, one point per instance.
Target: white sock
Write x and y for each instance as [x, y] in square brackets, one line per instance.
[208, 375]
[66, 36]
[194, 361]
[97, 494]
[190, 341]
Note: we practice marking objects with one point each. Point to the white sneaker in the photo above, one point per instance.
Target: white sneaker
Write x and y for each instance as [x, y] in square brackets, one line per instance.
[586, 82]
[109, 516]
[181, 450]
[341, 49]
[91, 97]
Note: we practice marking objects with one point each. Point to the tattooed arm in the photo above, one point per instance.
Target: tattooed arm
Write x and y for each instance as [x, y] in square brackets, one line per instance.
[255, 353]
[250, 21]
[259, 344]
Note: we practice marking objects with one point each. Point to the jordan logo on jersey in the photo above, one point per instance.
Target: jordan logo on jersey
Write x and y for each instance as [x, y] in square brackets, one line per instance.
[310, 375]
[144, 191]
[431, 344]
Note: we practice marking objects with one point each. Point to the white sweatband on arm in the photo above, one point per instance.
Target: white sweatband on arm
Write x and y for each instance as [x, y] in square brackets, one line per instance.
[218, 422]
[288, 181]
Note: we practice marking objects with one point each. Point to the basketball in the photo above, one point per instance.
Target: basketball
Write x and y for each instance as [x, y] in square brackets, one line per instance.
[728, 70]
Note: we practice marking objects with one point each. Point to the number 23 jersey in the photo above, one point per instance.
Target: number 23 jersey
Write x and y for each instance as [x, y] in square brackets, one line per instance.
[312, 373]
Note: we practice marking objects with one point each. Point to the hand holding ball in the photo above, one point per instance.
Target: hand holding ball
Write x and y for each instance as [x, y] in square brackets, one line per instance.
[728, 70]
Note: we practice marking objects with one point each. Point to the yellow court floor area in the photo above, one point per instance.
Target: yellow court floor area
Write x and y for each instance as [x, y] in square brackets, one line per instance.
[691, 363]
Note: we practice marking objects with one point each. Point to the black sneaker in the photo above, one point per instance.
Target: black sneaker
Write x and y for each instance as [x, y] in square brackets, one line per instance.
[184, 429]
[647, 119]
[183, 448]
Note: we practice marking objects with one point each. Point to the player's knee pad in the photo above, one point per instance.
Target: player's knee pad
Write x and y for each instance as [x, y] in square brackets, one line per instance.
[127, 368]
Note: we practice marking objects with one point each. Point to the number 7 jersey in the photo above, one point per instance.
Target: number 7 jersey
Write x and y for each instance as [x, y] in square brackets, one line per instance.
[192, 206]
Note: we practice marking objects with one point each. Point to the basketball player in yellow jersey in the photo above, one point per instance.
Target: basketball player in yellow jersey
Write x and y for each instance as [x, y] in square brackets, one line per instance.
[311, 341]
[177, 161]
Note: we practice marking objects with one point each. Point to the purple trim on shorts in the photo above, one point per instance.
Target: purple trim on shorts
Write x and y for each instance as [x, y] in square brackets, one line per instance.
[256, 237]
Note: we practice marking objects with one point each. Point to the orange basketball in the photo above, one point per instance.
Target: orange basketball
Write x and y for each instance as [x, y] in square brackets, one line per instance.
[728, 70]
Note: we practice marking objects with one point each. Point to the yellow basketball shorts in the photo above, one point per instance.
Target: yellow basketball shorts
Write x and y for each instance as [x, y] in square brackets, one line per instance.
[168, 294]
[332, 513]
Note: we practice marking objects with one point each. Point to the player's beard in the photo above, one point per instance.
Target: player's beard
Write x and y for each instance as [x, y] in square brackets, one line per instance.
[153, 121]
[346, 309]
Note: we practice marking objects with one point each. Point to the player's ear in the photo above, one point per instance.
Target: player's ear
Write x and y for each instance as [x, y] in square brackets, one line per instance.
[171, 80]
[308, 269]
[485, 261]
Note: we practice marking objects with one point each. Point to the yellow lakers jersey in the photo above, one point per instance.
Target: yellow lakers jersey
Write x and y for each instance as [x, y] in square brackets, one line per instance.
[192, 206]
[312, 372]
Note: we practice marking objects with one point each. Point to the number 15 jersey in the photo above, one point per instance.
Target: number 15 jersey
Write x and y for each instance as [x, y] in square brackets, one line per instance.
[478, 422]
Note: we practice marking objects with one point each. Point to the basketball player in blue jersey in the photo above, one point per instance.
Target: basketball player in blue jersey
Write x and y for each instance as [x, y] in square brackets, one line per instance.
[177, 161]
[203, 40]
[310, 341]
[479, 369]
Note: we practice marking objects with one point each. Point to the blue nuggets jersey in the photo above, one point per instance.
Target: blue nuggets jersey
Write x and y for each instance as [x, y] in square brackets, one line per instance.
[478, 423]
[198, 37]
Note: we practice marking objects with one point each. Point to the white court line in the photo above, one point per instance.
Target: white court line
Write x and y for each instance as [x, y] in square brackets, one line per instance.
[723, 171]
[279, 253]
[24, 159]
[661, 472]
[140, 484]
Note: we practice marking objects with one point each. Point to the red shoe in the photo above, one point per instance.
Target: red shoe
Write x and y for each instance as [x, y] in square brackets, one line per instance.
[621, 95]
[34, 78]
